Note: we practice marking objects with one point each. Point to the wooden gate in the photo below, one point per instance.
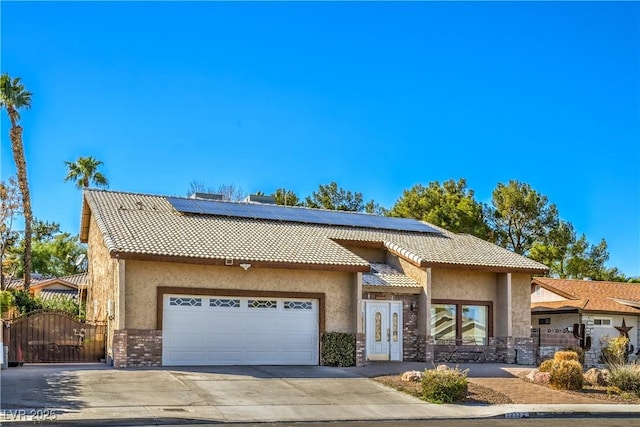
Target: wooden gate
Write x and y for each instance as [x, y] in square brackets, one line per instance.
[54, 337]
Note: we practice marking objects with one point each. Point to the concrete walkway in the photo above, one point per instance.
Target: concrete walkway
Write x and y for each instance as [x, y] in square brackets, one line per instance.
[95, 394]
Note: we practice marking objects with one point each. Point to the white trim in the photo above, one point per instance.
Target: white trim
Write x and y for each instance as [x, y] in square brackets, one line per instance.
[610, 319]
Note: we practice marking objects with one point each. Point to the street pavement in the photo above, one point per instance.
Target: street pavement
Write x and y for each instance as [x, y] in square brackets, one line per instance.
[97, 394]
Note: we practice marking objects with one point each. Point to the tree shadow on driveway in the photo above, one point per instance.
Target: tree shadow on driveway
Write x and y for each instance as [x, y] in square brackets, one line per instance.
[42, 387]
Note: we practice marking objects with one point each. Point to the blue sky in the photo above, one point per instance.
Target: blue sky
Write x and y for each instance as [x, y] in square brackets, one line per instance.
[375, 96]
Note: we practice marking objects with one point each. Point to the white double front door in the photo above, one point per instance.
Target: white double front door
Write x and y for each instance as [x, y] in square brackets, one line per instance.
[383, 329]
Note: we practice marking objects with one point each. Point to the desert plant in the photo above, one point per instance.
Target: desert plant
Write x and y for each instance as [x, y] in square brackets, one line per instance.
[566, 375]
[626, 378]
[579, 351]
[615, 352]
[444, 385]
[565, 355]
[546, 366]
[338, 349]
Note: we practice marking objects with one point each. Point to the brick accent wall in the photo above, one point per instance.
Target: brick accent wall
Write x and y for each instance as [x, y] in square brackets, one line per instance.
[411, 348]
[360, 350]
[429, 349]
[137, 347]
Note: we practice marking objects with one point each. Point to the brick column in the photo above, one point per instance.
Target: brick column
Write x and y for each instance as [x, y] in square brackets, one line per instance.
[360, 349]
[137, 347]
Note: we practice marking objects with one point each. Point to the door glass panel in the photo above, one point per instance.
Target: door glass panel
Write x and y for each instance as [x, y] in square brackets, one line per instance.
[395, 327]
[443, 321]
[474, 323]
[378, 327]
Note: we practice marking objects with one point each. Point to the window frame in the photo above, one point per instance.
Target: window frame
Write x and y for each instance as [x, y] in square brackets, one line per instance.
[610, 319]
[459, 304]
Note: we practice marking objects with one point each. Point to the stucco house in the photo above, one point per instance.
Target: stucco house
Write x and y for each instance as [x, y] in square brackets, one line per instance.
[196, 281]
[606, 309]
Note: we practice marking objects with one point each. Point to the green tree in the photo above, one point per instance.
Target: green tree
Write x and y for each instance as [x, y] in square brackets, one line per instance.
[14, 97]
[450, 205]
[554, 250]
[286, 197]
[520, 216]
[332, 197]
[55, 253]
[588, 261]
[84, 172]
[9, 208]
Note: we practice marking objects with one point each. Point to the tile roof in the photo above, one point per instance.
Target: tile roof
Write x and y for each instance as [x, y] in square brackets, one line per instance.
[385, 275]
[591, 295]
[148, 227]
[58, 293]
[73, 280]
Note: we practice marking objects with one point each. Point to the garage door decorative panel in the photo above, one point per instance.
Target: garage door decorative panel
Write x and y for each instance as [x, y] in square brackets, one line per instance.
[239, 331]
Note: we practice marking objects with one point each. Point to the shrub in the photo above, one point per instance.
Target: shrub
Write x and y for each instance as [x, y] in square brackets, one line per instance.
[6, 301]
[615, 352]
[566, 375]
[626, 378]
[338, 349]
[546, 366]
[445, 385]
[565, 355]
[579, 351]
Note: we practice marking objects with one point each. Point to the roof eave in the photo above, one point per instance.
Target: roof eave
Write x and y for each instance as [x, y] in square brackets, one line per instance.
[363, 268]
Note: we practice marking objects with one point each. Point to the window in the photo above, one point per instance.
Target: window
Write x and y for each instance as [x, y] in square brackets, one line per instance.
[538, 290]
[257, 303]
[464, 321]
[602, 321]
[544, 321]
[443, 321]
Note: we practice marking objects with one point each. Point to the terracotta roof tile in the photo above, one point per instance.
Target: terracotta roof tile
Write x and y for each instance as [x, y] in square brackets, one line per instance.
[148, 225]
[600, 295]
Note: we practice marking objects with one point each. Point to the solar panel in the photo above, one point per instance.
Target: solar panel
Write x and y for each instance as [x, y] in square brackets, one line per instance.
[297, 214]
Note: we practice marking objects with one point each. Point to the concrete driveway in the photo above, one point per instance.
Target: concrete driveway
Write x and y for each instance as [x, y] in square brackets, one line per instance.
[241, 394]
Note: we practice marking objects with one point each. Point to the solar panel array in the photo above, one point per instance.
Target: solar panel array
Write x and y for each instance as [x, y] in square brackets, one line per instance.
[297, 214]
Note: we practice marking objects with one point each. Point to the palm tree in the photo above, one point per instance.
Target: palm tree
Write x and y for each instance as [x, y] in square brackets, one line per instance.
[84, 171]
[14, 97]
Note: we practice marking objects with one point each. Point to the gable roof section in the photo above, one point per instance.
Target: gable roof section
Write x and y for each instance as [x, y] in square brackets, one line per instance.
[144, 226]
[591, 295]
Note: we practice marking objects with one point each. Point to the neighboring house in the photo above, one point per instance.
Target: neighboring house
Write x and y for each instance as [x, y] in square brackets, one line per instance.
[186, 281]
[73, 287]
[607, 309]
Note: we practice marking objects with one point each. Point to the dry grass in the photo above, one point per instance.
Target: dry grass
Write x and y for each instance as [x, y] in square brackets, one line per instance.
[476, 395]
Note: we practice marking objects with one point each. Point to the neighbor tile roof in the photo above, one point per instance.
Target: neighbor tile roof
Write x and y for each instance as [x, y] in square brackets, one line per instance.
[58, 293]
[141, 225]
[385, 275]
[76, 280]
[591, 295]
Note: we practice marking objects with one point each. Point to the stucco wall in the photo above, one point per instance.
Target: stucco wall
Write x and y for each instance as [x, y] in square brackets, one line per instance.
[463, 285]
[521, 302]
[369, 254]
[416, 273]
[473, 285]
[102, 275]
[143, 278]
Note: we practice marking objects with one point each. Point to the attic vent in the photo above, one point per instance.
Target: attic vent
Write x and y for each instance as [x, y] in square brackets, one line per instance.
[206, 196]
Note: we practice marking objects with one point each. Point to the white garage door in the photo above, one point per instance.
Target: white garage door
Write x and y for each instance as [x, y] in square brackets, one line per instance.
[227, 330]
